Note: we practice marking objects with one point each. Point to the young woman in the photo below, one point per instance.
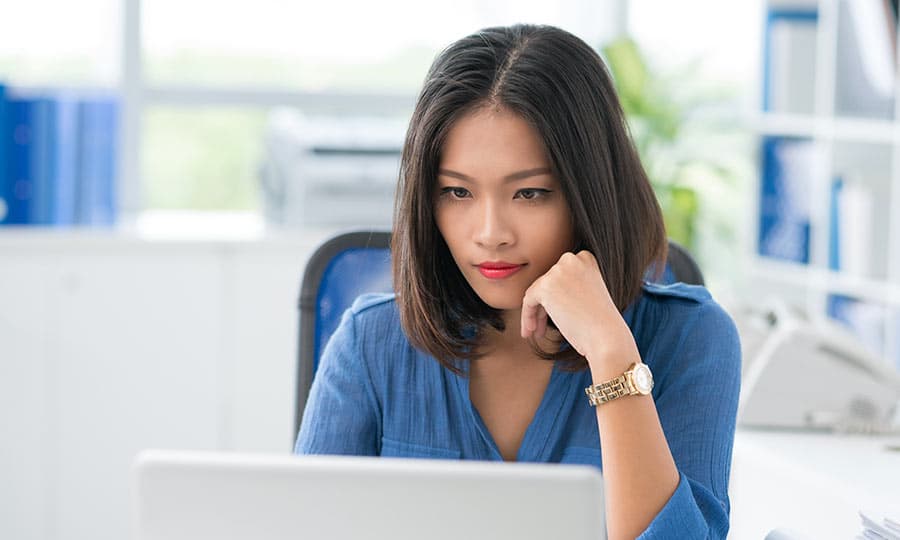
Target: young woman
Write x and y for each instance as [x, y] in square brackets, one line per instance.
[524, 229]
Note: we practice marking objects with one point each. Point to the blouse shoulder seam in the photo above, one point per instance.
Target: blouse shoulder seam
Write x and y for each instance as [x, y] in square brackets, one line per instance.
[695, 293]
[369, 301]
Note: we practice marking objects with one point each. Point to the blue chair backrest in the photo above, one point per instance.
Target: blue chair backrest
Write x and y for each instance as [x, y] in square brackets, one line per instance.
[351, 273]
[351, 264]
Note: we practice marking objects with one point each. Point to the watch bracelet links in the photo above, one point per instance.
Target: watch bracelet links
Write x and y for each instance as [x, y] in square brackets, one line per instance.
[609, 390]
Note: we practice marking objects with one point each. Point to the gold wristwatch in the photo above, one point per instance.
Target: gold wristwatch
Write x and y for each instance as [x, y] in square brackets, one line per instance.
[636, 381]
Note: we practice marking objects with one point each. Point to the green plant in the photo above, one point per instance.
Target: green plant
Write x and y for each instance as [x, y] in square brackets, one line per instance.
[675, 140]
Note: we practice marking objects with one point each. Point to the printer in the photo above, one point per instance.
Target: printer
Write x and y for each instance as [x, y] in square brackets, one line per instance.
[800, 374]
[330, 171]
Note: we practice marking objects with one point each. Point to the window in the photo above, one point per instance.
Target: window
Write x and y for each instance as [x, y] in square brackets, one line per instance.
[198, 79]
[51, 43]
[346, 57]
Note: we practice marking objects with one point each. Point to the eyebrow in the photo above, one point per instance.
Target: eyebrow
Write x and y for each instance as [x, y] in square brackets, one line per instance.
[508, 178]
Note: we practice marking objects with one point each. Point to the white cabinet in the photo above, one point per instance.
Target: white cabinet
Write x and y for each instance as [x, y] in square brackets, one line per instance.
[25, 417]
[111, 344]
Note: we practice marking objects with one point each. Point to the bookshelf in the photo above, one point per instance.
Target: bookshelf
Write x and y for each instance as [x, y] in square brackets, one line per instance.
[827, 212]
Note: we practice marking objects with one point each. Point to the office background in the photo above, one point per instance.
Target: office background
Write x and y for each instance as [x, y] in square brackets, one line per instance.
[169, 167]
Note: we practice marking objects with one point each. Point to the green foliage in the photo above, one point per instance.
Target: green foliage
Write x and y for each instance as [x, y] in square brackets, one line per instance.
[675, 140]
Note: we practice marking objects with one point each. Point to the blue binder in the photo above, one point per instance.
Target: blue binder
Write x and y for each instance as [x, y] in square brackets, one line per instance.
[790, 15]
[784, 220]
[64, 159]
[98, 119]
[4, 152]
[19, 139]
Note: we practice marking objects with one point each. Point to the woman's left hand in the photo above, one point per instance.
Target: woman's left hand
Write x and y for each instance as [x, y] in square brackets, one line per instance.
[573, 293]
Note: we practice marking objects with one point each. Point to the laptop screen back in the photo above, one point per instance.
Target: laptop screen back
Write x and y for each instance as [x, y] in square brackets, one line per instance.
[191, 495]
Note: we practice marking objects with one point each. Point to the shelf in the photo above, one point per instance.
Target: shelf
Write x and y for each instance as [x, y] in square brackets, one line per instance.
[829, 176]
[860, 129]
[826, 281]
[786, 125]
[188, 231]
[839, 129]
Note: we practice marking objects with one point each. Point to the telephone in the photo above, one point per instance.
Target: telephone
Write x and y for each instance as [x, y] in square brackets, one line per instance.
[799, 374]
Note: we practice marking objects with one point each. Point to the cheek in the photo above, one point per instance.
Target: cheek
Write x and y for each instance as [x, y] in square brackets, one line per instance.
[441, 219]
[448, 227]
[554, 231]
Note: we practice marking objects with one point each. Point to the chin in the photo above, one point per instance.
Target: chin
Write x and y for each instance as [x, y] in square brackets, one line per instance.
[502, 302]
[499, 296]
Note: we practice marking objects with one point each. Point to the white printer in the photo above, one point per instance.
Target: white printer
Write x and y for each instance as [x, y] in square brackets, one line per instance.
[812, 375]
[330, 170]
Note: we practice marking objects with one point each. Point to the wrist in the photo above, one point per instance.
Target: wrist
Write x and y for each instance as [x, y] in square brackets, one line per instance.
[612, 353]
[610, 365]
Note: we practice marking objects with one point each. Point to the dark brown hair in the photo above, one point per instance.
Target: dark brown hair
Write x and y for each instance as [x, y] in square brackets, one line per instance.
[558, 84]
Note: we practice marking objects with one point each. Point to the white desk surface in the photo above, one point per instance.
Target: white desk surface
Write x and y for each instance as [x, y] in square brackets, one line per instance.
[812, 483]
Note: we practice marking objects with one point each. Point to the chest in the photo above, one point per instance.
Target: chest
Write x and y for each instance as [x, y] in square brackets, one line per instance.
[507, 401]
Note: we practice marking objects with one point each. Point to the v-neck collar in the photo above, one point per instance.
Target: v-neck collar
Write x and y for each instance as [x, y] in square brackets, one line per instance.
[534, 443]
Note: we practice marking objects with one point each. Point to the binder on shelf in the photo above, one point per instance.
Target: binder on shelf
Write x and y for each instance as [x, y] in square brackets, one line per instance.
[789, 57]
[867, 320]
[789, 167]
[58, 161]
[98, 128]
[64, 161]
[4, 153]
[866, 59]
[834, 216]
[41, 155]
[850, 228]
[27, 192]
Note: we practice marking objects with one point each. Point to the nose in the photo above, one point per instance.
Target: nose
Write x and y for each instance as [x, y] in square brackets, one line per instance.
[492, 228]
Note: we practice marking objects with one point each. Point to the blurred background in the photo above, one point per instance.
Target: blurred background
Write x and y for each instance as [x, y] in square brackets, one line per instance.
[167, 168]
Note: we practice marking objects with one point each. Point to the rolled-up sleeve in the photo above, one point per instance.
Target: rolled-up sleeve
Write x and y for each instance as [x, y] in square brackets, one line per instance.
[697, 407]
[341, 414]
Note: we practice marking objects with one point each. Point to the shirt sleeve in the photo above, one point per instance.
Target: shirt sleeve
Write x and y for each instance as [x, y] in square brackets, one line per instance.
[698, 408]
[341, 414]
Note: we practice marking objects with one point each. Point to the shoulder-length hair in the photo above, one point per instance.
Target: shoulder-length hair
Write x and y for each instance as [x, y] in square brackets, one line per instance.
[559, 84]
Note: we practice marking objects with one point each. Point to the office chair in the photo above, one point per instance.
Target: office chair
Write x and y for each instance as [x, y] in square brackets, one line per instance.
[354, 263]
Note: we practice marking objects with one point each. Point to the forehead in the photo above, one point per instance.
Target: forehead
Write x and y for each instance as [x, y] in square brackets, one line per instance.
[493, 139]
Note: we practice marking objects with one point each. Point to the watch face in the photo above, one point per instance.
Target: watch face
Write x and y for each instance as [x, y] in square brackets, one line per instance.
[643, 380]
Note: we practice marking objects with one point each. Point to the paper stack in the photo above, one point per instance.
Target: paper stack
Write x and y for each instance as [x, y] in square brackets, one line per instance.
[889, 529]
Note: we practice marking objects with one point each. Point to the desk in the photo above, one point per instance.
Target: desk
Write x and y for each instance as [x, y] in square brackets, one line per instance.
[814, 483]
[79, 403]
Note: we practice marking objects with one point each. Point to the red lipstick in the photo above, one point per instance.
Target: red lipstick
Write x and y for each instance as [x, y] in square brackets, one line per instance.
[498, 269]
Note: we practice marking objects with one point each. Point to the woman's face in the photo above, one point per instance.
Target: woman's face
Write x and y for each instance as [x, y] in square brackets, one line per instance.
[499, 207]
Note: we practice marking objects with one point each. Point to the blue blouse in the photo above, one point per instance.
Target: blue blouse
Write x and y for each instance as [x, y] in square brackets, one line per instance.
[374, 394]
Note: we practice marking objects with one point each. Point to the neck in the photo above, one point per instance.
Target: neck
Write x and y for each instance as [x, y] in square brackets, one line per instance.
[511, 341]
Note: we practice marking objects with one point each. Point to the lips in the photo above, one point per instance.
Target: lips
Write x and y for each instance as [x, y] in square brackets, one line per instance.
[499, 269]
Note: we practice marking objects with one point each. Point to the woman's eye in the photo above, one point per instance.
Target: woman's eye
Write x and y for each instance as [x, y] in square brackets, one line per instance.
[531, 193]
[456, 192]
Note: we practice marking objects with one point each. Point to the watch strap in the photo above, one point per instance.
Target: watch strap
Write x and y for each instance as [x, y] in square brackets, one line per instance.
[611, 389]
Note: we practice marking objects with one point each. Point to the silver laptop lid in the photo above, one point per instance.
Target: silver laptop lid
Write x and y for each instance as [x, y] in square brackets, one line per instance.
[191, 495]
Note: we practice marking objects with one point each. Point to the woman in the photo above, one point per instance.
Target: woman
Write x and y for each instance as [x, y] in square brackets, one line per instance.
[523, 230]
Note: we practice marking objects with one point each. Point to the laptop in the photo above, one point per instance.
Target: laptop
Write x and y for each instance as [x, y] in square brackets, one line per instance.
[190, 495]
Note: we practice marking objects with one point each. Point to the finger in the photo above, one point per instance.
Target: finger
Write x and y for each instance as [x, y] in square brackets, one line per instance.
[530, 306]
[541, 327]
[586, 255]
